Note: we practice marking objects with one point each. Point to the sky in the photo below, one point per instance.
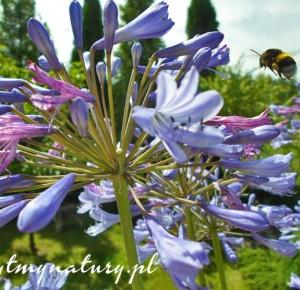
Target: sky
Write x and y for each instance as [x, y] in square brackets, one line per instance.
[256, 24]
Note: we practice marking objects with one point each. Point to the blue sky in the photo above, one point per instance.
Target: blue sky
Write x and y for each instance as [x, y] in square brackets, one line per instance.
[258, 24]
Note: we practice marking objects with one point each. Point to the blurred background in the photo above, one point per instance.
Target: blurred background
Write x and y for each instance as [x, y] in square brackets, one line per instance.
[247, 90]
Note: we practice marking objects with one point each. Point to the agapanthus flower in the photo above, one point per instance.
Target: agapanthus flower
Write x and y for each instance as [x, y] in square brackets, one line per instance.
[182, 259]
[136, 53]
[67, 90]
[294, 281]
[12, 97]
[10, 212]
[242, 219]
[80, 116]
[272, 166]
[76, 17]
[39, 212]
[10, 136]
[40, 37]
[236, 123]
[175, 106]
[152, 23]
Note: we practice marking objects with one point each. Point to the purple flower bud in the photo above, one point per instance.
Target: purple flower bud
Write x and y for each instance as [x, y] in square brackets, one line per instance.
[12, 97]
[136, 52]
[44, 64]
[40, 37]
[110, 24]
[229, 253]
[4, 109]
[40, 211]
[101, 72]
[9, 181]
[8, 84]
[191, 46]
[116, 64]
[80, 116]
[243, 219]
[272, 166]
[76, 18]
[10, 212]
[257, 135]
[10, 199]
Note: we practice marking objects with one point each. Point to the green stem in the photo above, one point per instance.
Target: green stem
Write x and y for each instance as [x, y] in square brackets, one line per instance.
[218, 256]
[191, 236]
[121, 189]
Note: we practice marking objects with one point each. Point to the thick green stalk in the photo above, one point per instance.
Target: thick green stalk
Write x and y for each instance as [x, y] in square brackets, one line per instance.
[218, 256]
[121, 190]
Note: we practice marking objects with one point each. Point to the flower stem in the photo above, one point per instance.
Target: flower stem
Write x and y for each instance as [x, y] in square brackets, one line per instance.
[121, 189]
[218, 256]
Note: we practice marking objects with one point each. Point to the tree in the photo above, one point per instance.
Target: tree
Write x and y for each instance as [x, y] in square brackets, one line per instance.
[201, 18]
[92, 27]
[13, 25]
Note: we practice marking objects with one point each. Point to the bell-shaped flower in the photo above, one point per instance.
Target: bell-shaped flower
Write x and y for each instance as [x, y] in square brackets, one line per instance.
[9, 84]
[65, 89]
[43, 63]
[236, 123]
[191, 46]
[256, 135]
[243, 219]
[220, 56]
[40, 37]
[75, 11]
[176, 109]
[201, 58]
[182, 259]
[272, 166]
[294, 281]
[152, 23]
[284, 248]
[110, 23]
[39, 212]
[11, 134]
[80, 116]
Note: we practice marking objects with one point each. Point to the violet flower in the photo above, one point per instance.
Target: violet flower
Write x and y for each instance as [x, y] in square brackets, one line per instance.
[136, 52]
[64, 88]
[10, 136]
[5, 109]
[152, 23]
[9, 83]
[43, 63]
[39, 212]
[236, 123]
[182, 259]
[110, 24]
[12, 97]
[243, 219]
[10, 181]
[294, 281]
[220, 56]
[76, 18]
[177, 108]
[284, 248]
[40, 37]
[257, 135]
[191, 46]
[272, 166]
[10, 212]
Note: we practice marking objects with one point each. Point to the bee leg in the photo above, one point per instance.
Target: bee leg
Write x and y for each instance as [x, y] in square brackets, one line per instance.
[275, 68]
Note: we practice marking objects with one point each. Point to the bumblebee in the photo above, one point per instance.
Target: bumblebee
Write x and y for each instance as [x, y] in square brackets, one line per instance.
[278, 61]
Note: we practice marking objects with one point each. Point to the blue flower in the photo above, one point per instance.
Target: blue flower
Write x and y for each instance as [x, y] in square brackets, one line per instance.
[294, 281]
[182, 259]
[272, 166]
[80, 116]
[176, 109]
[110, 23]
[40, 211]
[10, 212]
[152, 23]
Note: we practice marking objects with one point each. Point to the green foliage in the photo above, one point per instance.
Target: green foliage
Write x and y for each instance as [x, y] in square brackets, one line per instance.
[13, 29]
[201, 18]
[246, 95]
[92, 27]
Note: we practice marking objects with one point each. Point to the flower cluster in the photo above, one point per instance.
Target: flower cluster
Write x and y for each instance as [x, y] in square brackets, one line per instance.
[185, 172]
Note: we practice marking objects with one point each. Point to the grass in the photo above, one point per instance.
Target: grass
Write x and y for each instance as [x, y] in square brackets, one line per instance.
[257, 269]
